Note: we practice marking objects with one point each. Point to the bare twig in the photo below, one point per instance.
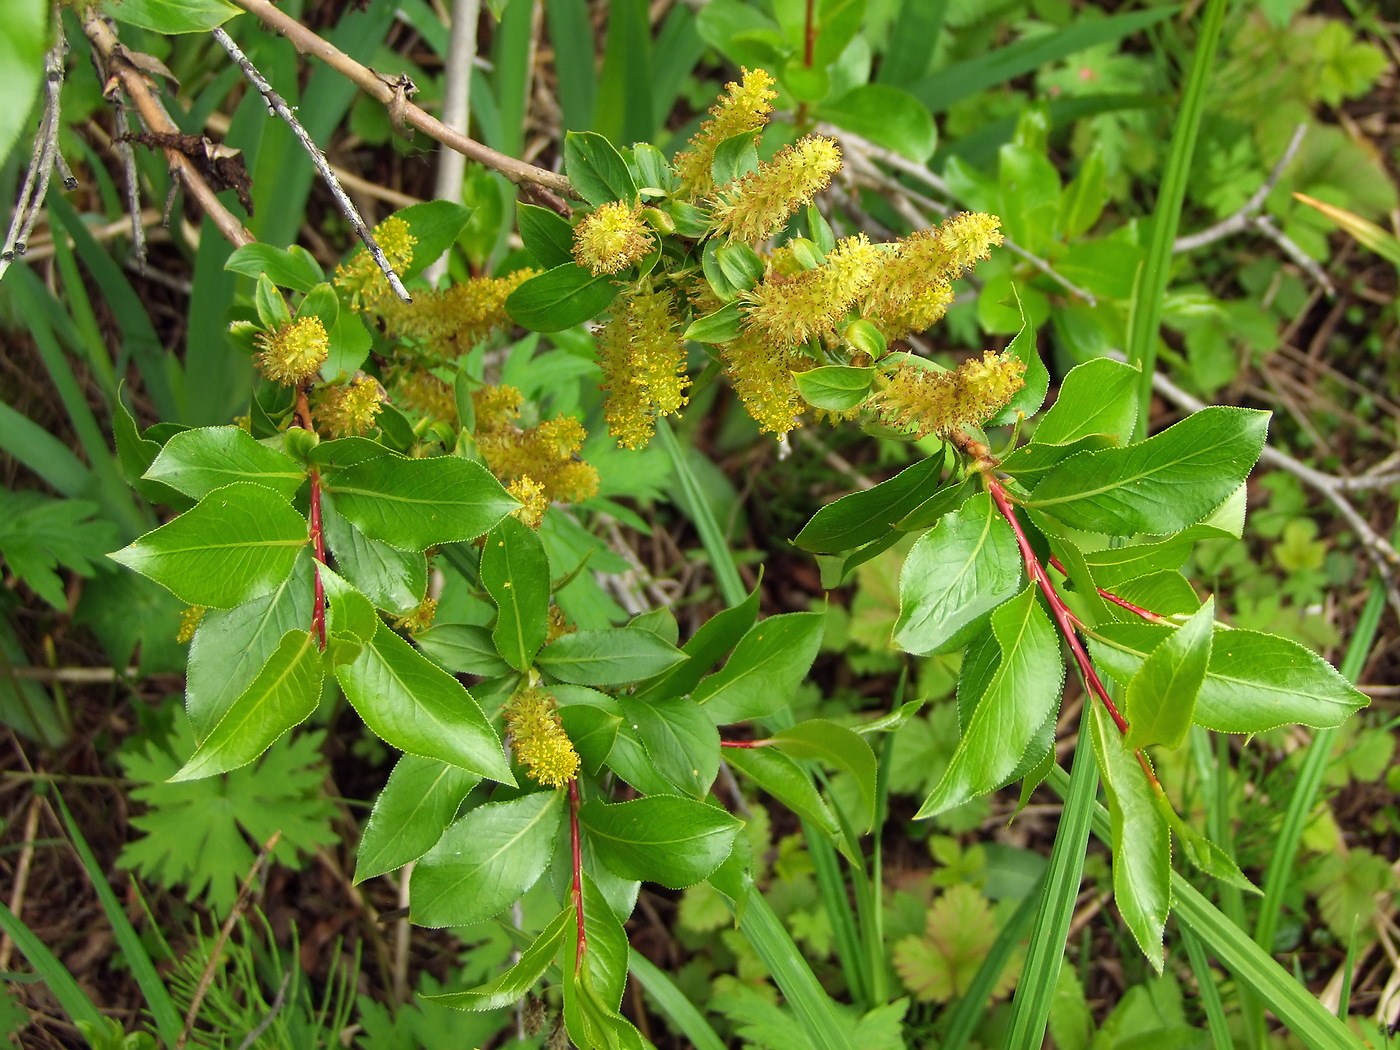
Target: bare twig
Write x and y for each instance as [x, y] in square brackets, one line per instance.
[860, 153]
[127, 156]
[41, 164]
[1243, 218]
[120, 67]
[391, 91]
[1289, 247]
[1381, 553]
[456, 112]
[278, 105]
[278, 1001]
[21, 877]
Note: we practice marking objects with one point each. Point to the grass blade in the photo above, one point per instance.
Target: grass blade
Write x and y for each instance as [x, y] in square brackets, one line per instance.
[832, 887]
[673, 1004]
[571, 34]
[1151, 286]
[624, 111]
[1031, 1006]
[75, 1004]
[158, 999]
[1210, 995]
[711, 535]
[913, 37]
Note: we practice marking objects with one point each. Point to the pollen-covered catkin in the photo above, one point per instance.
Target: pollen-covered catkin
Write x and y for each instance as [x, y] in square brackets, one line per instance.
[538, 738]
[743, 108]
[759, 204]
[925, 401]
[294, 352]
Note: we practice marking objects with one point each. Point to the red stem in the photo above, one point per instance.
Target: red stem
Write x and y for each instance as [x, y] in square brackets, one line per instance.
[1146, 614]
[1063, 617]
[744, 743]
[578, 874]
[318, 548]
[809, 37]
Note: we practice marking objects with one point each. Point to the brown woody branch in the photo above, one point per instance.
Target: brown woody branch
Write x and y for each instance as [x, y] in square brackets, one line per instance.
[393, 93]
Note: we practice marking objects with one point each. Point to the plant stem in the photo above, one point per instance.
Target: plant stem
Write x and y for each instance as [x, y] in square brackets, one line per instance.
[577, 855]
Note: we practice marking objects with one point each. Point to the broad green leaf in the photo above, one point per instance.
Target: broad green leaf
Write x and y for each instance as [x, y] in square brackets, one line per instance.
[1022, 693]
[1164, 484]
[631, 761]
[1161, 697]
[1116, 565]
[236, 544]
[1096, 397]
[740, 264]
[560, 298]
[1083, 200]
[667, 839]
[734, 158]
[434, 225]
[860, 517]
[196, 462]
[411, 704]
[347, 452]
[391, 578]
[680, 738]
[22, 47]
[595, 976]
[887, 116]
[787, 782]
[294, 267]
[596, 169]
[419, 503]
[835, 388]
[411, 813]
[171, 16]
[1031, 462]
[1254, 681]
[1204, 853]
[513, 985]
[955, 575]
[515, 573]
[592, 731]
[284, 694]
[1167, 593]
[1141, 840]
[231, 646]
[609, 656]
[463, 648]
[350, 612]
[136, 454]
[836, 746]
[718, 327]
[768, 664]
[943, 501]
[484, 862]
[716, 636]
[547, 235]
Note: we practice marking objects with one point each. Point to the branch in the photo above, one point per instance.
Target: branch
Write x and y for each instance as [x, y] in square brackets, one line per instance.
[41, 163]
[119, 67]
[456, 112]
[1242, 219]
[393, 92]
[277, 104]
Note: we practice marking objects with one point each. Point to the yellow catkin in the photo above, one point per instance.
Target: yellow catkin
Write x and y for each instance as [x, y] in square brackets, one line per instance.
[760, 370]
[759, 204]
[642, 356]
[923, 401]
[294, 352]
[743, 108]
[418, 619]
[815, 301]
[347, 409]
[452, 321]
[534, 500]
[558, 625]
[611, 238]
[360, 278]
[915, 286]
[417, 391]
[547, 454]
[538, 738]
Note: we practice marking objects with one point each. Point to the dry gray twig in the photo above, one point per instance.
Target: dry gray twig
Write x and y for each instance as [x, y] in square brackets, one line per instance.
[456, 111]
[278, 105]
[41, 164]
[1243, 218]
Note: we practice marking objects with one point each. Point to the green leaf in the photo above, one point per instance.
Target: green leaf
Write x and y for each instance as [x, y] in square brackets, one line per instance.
[860, 517]
[546, 234]
[1161, 697]
[1203, 853]
[196, 462]
[836, 746]
[411, 813]
[513, 985]
[887, 116]
[716, 636]
[351, 614]
[592, 731]
[1082, 202]
[1113, 566]
[596, 169]
[484, 862]
[1254, 681]
[236, 544]
[271, 307]
[560, 298]
[1031, 462]
[1031, 396]
[786, 781]
[1141, 840]
[293, 267]
[284, 694]
[435, 225]
[610, 656]
[718, 327]
[955, 575]
[463, 648]
[595, 975]
[734, 158]
[680, 739]
[414, 504]
[835, 388]
[1023, 692]
[22, 47]
[1161, 485]
[1096, 397]
[768, 664]
[515, 573]
[413, 705]
[666, 839]
[391, 578]
[171, 16]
